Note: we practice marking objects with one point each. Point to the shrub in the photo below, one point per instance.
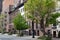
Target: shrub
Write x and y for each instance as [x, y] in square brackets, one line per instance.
[45, 38]
[41, 37]
[48, 38]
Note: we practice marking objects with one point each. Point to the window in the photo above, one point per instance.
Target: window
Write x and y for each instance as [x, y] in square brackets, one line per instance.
[5, 20]
[21, 10]
[30, 32]
[10, 26]
[5, 24]
[11, 7]
[21, 1]
[5, 12]
[10, 20]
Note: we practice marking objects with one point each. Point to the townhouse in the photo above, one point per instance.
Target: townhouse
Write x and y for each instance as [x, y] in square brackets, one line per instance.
[10, 8]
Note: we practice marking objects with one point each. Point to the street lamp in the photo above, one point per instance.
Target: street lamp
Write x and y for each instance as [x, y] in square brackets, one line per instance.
[33, 36]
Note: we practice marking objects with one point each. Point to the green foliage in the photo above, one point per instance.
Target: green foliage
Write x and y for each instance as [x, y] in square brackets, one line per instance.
[41, 37]
[41, 8]
[20, 22]
[44, 38]
[31, 6]
[52, 19]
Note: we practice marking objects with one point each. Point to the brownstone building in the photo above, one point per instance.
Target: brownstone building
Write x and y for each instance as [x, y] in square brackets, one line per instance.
[10, 9]
[7, 6]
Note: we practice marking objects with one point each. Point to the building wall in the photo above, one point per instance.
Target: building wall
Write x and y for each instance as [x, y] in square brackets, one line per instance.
[6, 4]
[13, 14]
[1, 1]
[5, 11]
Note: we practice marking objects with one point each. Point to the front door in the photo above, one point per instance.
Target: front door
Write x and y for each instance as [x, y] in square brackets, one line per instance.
[37, 32]
[59, 34]
[54, 33]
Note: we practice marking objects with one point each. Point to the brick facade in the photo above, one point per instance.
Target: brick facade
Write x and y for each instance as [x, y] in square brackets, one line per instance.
[10, 5]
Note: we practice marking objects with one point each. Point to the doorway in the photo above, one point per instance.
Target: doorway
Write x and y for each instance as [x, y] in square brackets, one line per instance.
[37, 32]
[54, 33]
[59, 34]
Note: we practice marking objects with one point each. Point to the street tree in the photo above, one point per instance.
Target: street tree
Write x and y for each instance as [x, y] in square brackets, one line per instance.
[41, 10]
[20, 23]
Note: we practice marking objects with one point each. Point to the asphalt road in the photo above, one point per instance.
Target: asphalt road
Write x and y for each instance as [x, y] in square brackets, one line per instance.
[10, 37]
[55, 38]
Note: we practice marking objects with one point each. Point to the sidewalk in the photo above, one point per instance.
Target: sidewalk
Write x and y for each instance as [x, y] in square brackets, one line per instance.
[15, 37]
[30, 37]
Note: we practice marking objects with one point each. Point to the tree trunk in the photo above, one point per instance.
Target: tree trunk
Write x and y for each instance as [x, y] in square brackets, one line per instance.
[33, 29]
[42, 27]
[19, 32]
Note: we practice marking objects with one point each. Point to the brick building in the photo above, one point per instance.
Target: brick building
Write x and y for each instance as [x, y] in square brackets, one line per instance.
[10, 8]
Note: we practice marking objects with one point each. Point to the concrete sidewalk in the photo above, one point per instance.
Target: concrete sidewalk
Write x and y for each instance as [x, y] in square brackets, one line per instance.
[14, 37]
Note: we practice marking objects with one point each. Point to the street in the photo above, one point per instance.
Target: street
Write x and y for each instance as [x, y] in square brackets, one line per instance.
[55, 38]
[10, 37]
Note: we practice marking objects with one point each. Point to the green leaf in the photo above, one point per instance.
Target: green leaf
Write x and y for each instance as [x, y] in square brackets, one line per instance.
[20, 22]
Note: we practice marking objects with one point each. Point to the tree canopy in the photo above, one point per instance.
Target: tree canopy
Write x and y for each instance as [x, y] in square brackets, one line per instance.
[38, 9]
[20, 22]
[42, 11]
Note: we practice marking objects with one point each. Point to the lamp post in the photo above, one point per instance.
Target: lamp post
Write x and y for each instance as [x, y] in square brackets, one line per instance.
[33, 35]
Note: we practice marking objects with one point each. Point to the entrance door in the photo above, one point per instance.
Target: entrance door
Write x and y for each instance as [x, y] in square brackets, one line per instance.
[54, 33]
[37, 32]
[59, 34]
[30, 32]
